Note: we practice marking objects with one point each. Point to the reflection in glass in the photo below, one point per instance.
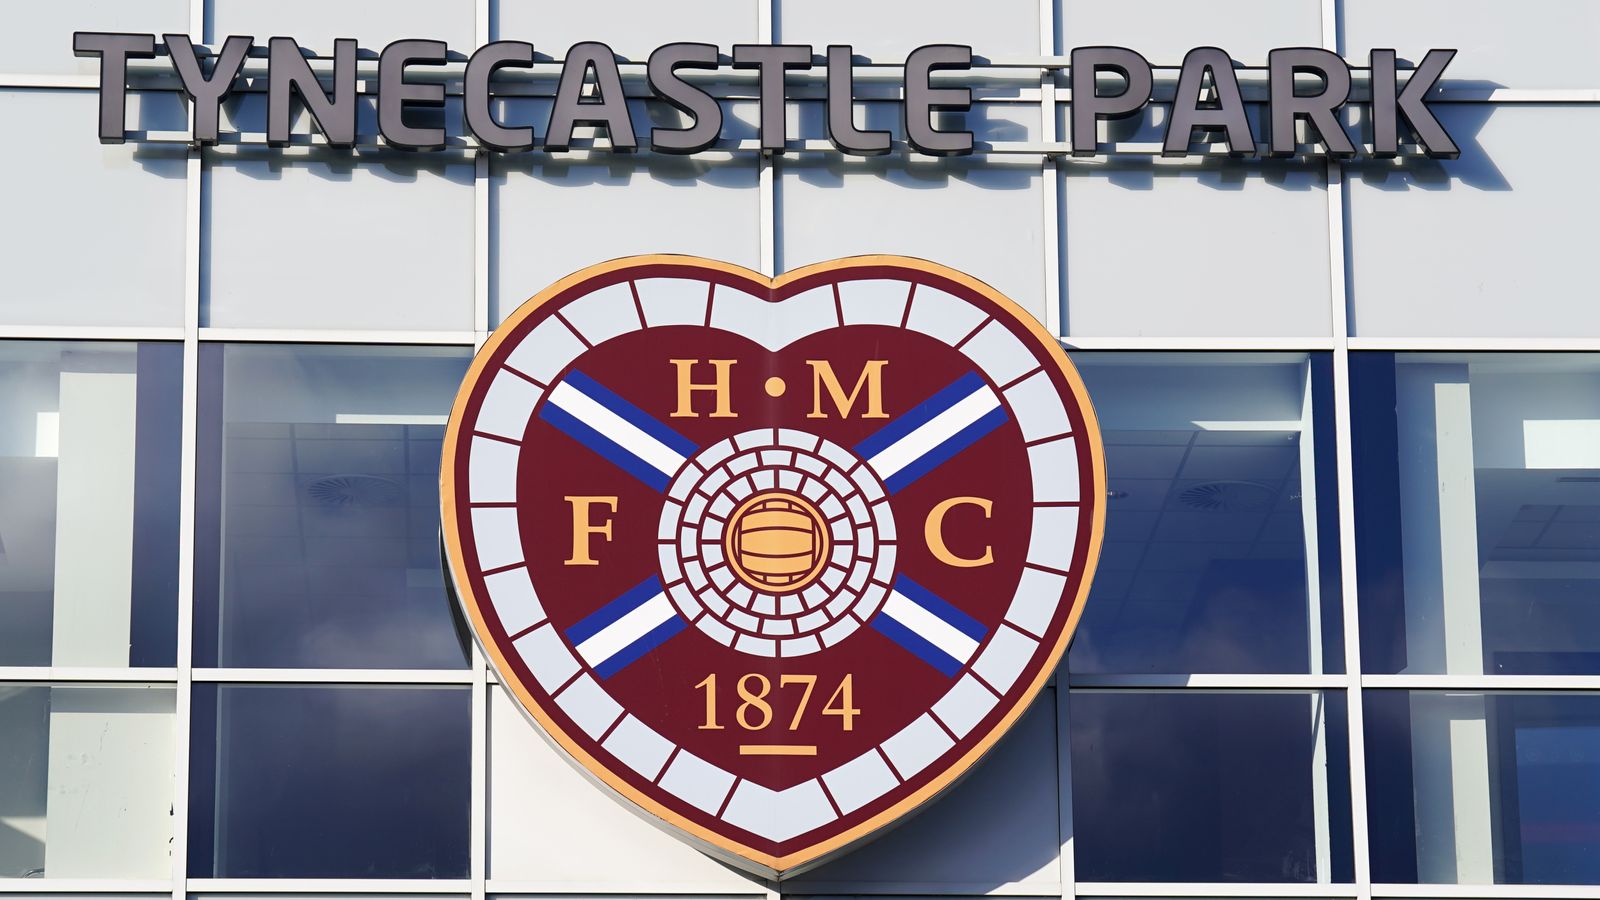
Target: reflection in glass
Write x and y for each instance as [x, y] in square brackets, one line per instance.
[1478, 512]
[318, 519]
[89, 452]
[1214, 787]
[86, 781]
[313, 781]
[1479, 788]
[1221, 548]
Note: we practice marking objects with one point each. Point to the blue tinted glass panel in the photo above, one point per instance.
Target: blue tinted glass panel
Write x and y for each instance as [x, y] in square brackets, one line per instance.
[1215, 787]
[311, 781]
[89, 449]
[1476, 788]
[1478, 512]
[1221, 548]
[318, 517]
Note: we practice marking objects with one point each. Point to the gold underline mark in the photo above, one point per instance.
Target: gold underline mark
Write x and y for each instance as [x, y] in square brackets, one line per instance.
[777, 749]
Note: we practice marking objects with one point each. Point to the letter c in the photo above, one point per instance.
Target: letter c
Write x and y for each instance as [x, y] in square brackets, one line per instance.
[933, 532]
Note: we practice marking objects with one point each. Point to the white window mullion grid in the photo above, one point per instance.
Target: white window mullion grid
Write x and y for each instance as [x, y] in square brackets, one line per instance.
[478, 840]
[192, 263]
[1055, 321]
[478, 677]
[767, 163]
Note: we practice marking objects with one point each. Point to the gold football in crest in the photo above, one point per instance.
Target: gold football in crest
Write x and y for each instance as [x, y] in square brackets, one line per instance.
[777, 541]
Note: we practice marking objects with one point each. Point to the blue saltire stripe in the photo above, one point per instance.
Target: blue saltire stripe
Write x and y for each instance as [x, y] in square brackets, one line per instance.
[891, 628]
[920, 415]
[613, 452]
[940, 607]
[936, 457]
[607, 615]
[633, 415]
[627, 655]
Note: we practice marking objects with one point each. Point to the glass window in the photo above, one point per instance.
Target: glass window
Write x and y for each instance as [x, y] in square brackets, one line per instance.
[94, 233]
[1221, 551]
[1480, 788]
[981, 215]
[1495, 244]
[550, 216]
[89, 451]
[1478, 512]
[317, 525]
[1215, 787]
[319, 781]
[1164, 30]
[86, 781]
[1526, 44]
[397, 256]
[999, 826]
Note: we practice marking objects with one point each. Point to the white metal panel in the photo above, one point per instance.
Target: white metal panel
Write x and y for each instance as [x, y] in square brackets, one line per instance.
[1218, 249]
[548, 823]
[316, 23]
[984, 218]
[551, 218]
[1497, 244]
[91, 234]
[1526, 44]
[890, 30]
[325, 241]
[554, 27]
[40, 42]
[1164, 30]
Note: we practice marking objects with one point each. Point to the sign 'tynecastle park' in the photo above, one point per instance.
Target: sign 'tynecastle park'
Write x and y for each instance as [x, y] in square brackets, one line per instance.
[1305, 85]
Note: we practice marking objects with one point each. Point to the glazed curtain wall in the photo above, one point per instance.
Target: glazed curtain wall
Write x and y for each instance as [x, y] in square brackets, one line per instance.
[1340, 644]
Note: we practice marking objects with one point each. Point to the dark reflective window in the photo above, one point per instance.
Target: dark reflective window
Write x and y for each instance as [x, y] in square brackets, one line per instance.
[90, 436]
[1478, 512]
[1221, 551]
[314, 781]
[1216, 787]
[1480, 788]
[317, 526]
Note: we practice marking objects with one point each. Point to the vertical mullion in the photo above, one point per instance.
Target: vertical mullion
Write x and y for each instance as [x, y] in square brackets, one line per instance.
[184, 663]
[766, 177]
[1339, 309]
[480, 244]
[1051, 178]
[1066, 863]
[478, 852]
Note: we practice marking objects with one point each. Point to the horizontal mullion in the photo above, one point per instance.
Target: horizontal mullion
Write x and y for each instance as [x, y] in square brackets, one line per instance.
[84, 886]
[325, 886]
[334, 676]
[341, 336]
[1143, 342]
[619, 888]
[1489, 891]
[89, 333]
[1483, 682]
[1431, 344]
[93, 674]
[1209, 681]
[1223, 889]
[926, 889]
